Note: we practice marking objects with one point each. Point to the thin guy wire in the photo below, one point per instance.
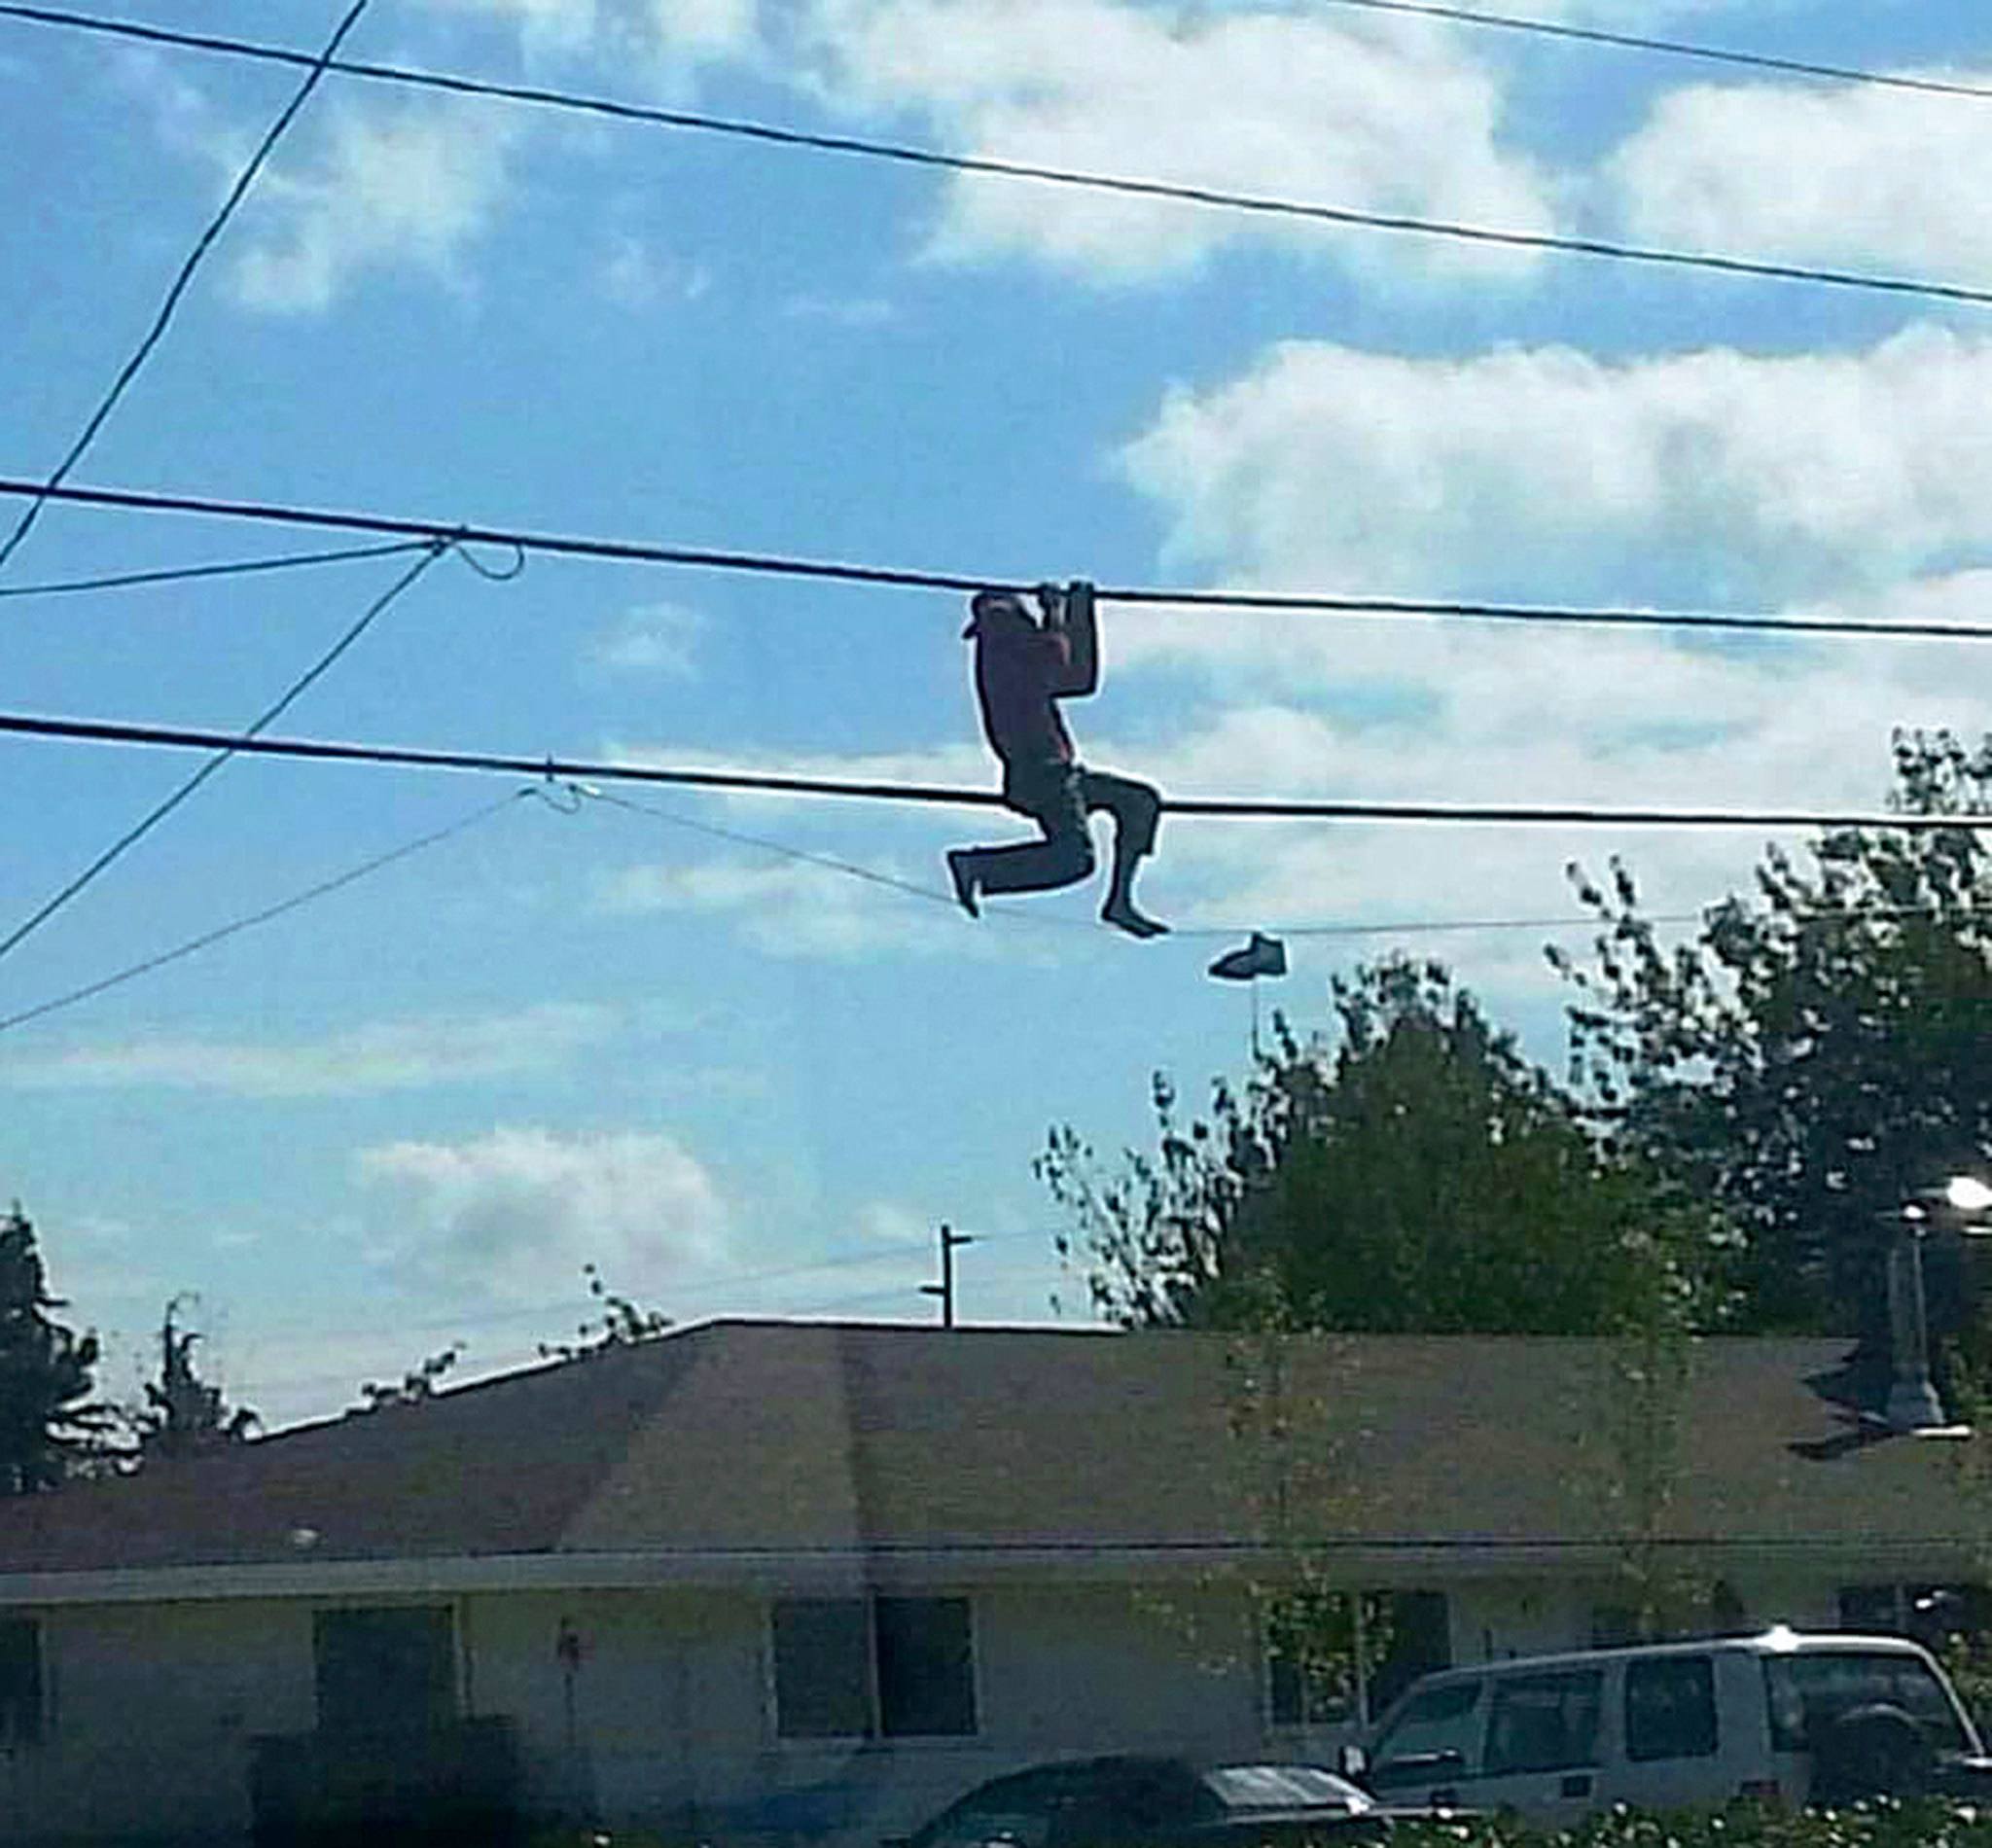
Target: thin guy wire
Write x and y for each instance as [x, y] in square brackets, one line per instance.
[769, 564]
[1213, 933]
[910, 154]
[1196, 933]
[187, 574]
[317, 67]
[849, 868]
[1676, 48]
[1444, 814]
[220, 933]
[224, 748]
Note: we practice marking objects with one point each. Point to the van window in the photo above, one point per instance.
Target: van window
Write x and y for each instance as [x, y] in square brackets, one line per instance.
[1544, 1723]
[1432, 1737]
[1670, 1708]
[1808, 1691]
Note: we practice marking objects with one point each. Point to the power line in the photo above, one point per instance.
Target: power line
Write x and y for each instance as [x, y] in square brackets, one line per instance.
[769, 564]
[227, 568]
[315, 69]
[1401, 926]
[225, 749]
[1676, 48]
[1453, 814]
[908, 154]
[207, 939]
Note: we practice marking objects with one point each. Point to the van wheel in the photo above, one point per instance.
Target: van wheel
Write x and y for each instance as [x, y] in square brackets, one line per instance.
[1878, 1751]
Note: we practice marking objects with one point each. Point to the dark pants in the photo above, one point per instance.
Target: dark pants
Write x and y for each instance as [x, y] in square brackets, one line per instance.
[1059, 798]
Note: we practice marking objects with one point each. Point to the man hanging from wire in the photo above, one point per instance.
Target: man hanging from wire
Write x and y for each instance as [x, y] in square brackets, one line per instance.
[1023, 670]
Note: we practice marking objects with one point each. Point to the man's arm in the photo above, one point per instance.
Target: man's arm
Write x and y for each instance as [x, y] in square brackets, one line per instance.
[1070, 617]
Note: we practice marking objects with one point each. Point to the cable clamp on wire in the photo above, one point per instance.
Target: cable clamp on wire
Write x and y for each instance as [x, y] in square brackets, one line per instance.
[562, 798]
[459, 542]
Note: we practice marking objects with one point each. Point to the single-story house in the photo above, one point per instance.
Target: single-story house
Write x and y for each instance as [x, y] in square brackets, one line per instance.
[789, 1583]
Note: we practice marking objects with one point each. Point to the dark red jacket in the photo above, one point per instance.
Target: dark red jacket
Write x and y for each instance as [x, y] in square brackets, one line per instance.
[1023, 671]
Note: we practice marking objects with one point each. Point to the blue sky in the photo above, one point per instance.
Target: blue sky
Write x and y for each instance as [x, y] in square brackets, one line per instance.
[740, 1083]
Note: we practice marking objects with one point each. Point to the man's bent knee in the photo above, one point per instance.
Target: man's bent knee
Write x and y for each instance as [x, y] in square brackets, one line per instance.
[1074, 856]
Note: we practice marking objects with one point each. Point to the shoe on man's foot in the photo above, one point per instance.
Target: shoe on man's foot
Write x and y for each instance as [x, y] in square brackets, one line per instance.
[1125, 917]
[963, 882]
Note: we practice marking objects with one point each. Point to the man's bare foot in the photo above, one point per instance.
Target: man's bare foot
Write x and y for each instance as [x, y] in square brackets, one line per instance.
[964, 882]
[1121, 914]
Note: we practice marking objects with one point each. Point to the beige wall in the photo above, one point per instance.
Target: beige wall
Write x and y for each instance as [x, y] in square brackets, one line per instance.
[151, 1708]
[148, 1714]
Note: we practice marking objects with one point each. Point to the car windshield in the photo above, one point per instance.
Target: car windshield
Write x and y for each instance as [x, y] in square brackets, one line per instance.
[1284, 1787]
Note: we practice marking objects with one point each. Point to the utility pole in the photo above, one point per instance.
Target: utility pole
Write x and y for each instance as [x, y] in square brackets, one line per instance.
[945, 1289]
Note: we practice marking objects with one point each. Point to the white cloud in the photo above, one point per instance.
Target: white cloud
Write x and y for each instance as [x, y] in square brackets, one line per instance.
[391, 184]
[1548, 474]
[1848, 176]
[635, 275]
[516, 1212]
[655, 638]
[799, 909]
[1852, 481]
[663, 32]
[1340, 111]
[392, 1055]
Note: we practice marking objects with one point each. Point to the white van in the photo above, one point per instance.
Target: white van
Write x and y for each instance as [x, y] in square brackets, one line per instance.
[1677, 1725]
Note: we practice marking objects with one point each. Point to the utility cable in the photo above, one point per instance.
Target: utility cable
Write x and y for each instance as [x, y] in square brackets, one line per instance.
[1444, 814]
[228, 568]
[224, 748]
[1676, 48]
[768, 564]
[905, 154]
[315, 69]
[295, 902]
[1401, 926]
[801, 855]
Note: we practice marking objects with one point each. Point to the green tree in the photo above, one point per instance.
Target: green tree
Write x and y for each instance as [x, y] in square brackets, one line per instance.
[182, 1414]
[1816, 1053]
[1418, 1174]
[49, 1426]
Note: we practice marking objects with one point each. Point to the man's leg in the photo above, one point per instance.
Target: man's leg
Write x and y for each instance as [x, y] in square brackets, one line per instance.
[1064, 857]
[1136, 809]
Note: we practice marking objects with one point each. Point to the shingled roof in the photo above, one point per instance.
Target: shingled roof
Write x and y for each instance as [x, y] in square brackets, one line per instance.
[757, 1439]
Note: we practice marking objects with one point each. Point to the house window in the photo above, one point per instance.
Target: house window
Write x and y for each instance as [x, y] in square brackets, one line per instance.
[21, 1682]
[886, 1667]
[1420, 1641]
[1670, 1708]
[385, 1671]
[1310, 1660]
[1310, 1653]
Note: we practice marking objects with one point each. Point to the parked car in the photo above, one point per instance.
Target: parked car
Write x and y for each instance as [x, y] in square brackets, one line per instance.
[1822, 1718]
[1144, 1801]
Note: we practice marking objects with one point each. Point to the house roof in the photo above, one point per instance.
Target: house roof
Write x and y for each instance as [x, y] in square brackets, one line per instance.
[759, 1437]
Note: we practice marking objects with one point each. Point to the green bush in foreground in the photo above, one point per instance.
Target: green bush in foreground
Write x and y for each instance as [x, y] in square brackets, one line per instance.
[1882, 1824]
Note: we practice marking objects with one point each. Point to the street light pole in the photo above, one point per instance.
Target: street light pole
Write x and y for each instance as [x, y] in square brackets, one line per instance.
[1912, 1402]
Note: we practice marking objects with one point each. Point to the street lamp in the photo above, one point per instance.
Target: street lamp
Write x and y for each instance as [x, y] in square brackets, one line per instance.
[1913, 1402]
